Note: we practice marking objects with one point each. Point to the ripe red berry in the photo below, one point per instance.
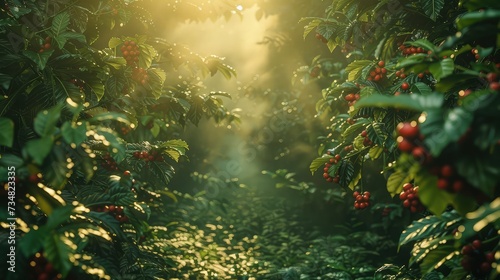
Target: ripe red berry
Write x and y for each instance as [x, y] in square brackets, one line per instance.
[405, 86]
[442, 184]
[490, 257]
[419, 154]
[111, 208]
[47, 46]
[407, 186]
[492, 77]
[367, 194]
[325, 175]
[403, 196]
[447, 171]
[485, 268]
[408, 130]
[350, 97]
[467, 250]
[126, 173]
[495, 86]
[381, 63]
[34, 179]
[405, 146]
[458, 186]
[476, 244]
[406, 203]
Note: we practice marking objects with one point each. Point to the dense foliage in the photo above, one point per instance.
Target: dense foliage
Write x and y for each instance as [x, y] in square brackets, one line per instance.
[95, 104]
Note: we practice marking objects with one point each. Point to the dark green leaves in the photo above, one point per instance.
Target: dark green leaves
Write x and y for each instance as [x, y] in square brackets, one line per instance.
[432, 8]
[40, 59]
[45, 121]
[318, 162]
[74, 134]
[60, 23]
[441, 128]
[442, 69]
[6, 132]
[355, 68]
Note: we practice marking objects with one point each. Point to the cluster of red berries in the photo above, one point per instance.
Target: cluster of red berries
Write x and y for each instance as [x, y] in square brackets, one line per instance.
[351, 98]
[409, 50]
[378, 73]
[366, 141]
[321, 38]
[475, 260]
[46, 45]
[42, 269]
[109, 163]
[361, 200]
[125, 129]
[130, 51]
[448, 179]
[146, 156]
[493, 80]
[409, 136]
[140, 75]
[410, 199]
[349, 148]
[332, 161]
[116, 211]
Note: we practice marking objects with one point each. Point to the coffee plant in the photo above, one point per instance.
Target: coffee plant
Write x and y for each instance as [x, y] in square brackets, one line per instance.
[429, 119]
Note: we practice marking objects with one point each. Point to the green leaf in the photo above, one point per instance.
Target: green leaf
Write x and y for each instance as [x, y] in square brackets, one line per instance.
[375, 152]
[376, 133]
[435, 258]
[435, 199]
[11, 160]
[442, 69]
[38, 149]
[114, 42]
[58, 251]
[318, 162]
[310, 26]
[486, 215]
[345, 172]
[432, 8]
[356, 67]
[430, 226]
[6, 132]
[420, 88]
[115, 62]
[40, 59]
[73, 133]
[175, 148]
[45, 121]
[423, 43]
[155, 130]
[441, 128]
[475, 17]
[60, 23]
[97, 88]
[46, 198]
[482, 170]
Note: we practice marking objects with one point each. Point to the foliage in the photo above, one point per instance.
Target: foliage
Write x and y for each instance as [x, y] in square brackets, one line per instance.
[425, 64]
[89, 122]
